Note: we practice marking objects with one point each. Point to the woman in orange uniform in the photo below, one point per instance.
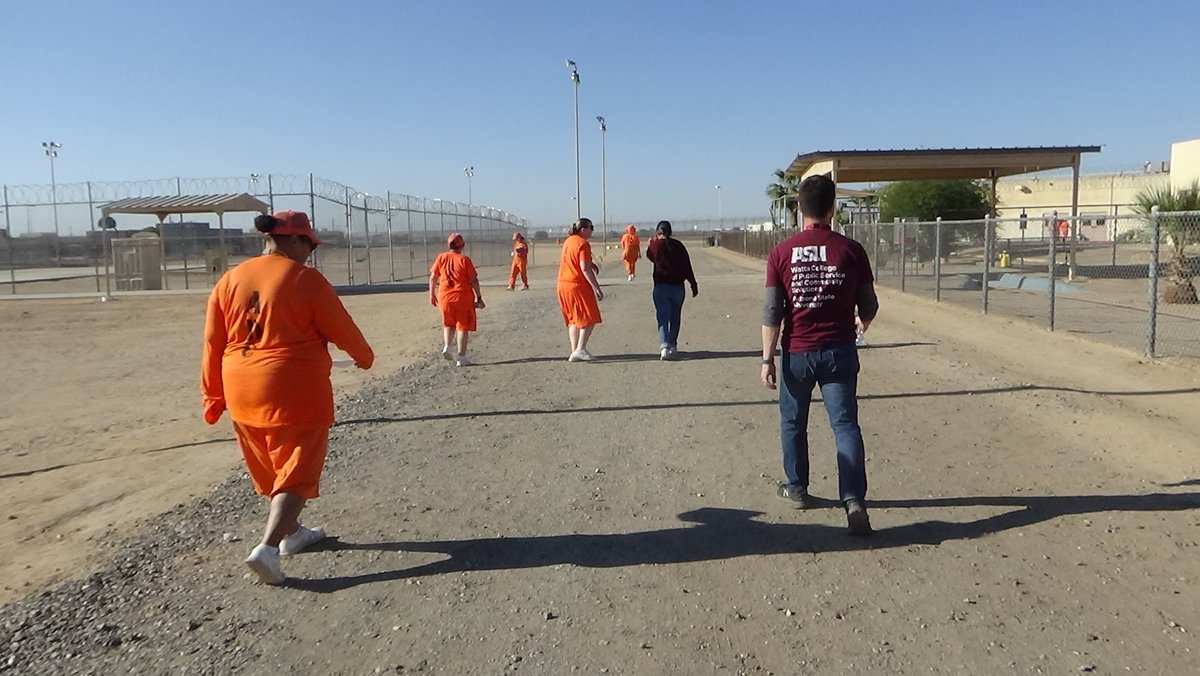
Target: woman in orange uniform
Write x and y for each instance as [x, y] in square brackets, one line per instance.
[578, 289]
[520, 263]
[454, 289]
[631, 251]
[266, 359]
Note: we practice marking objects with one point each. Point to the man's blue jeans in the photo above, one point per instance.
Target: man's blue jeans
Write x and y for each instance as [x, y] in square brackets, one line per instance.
[668, 306]
[835, 369]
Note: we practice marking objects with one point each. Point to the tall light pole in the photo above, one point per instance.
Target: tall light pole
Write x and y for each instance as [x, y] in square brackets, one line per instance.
[52, 148]
[575, 79]
[720, 211]
[603, 179]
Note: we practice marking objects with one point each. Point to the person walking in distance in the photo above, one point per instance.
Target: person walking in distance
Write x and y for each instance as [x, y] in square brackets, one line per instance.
[579, 291]
[520, 262]
[815, 281]
[266, 333]
[672, 267]
[631, 251]
[454, 289]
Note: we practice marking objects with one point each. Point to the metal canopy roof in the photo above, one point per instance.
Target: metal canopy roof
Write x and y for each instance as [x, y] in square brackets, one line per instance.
[865, 166]
[186, 204]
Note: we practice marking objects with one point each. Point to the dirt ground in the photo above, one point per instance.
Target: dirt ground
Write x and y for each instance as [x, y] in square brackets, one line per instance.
[1035, 495]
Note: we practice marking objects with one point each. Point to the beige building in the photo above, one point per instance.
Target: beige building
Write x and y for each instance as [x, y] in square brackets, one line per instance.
[1103, 198]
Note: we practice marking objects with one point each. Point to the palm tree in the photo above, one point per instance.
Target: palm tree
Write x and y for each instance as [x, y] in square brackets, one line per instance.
[1180, 231]
[783, 191]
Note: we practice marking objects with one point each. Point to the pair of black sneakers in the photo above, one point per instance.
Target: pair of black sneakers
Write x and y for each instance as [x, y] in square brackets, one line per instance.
[858, 523]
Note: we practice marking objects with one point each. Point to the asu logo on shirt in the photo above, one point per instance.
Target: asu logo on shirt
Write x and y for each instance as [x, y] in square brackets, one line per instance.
[809, 254]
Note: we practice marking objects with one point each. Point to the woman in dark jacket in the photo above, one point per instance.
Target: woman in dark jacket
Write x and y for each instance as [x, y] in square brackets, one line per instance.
[672, 267]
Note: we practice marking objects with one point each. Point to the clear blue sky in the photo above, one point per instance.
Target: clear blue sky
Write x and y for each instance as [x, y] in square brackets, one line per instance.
[402, 96]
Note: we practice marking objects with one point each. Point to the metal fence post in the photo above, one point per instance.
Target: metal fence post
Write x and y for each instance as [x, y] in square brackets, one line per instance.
[902, 230]
[937, 260]
[367, 232]
[412, 253]
[987, 259]
[349, 244]
[875, 246]
[1050, 274]
[425, 229]
[1152, 328]
[312, 212]
[12, 266]
[92, 229]
[391, 246]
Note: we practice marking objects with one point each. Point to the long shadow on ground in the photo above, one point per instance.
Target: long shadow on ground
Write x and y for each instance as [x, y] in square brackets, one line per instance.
[1029, 387]
[730, 533]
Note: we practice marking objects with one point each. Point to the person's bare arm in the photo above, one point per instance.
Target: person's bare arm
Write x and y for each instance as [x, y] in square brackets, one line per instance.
[590, 276]
[478, 294]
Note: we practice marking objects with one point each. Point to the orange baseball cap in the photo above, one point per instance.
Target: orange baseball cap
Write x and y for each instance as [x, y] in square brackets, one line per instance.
[455, 236]
[294, 223]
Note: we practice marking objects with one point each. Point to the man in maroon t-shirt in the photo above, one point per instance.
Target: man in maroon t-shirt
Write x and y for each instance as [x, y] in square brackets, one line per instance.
[815, 280]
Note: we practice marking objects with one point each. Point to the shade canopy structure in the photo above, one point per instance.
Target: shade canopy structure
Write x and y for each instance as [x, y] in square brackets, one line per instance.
[186, 204]
[164, 206]
[868, 166]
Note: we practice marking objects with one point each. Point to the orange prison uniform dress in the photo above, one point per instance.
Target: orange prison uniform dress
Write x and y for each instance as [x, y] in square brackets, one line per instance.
[520, 264]
[575, 296]
[266, 332]
[630, 251]
[456, 298]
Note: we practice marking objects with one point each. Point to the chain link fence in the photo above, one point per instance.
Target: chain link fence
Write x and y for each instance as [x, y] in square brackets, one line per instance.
[368, 238]
[1127, 281]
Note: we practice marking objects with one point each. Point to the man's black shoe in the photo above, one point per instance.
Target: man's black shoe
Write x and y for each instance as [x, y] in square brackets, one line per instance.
[797, 495]
[857, 521]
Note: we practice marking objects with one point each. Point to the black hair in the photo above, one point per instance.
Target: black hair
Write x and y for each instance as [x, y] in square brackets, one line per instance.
[580, 225]
[817, 195]
[664, 228]
[266, 223]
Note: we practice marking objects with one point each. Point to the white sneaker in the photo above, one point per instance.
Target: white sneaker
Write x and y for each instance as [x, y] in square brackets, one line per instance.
[581, 355]
[447, 354]
[630, 279]
[664, 354]
[300, 540]
[264, 561]
[463, 361]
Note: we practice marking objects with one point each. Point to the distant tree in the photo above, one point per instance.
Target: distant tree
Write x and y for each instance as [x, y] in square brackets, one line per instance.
[1178, 231]
[540, 235]
[784, 189]
[952, 200]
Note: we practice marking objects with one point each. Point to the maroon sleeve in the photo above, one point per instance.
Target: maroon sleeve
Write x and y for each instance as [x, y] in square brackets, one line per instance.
[773, 276]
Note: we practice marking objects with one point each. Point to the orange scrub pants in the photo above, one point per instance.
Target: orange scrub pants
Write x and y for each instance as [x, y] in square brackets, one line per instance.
[578, 304]
[458, 315]
[519, 267]
[286, 459]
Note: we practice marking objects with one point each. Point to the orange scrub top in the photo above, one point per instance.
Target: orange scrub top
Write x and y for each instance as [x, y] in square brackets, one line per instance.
[575, 250]
[521, 249]
[631, 246]
[455, 272]
[266, 336]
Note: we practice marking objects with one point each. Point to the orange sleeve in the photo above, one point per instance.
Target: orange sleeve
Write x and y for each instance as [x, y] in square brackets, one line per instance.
[336, 326]
[212, 388]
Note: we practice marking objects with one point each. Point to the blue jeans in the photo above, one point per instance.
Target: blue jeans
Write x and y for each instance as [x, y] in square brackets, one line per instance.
[835, 369]
[668, 306]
